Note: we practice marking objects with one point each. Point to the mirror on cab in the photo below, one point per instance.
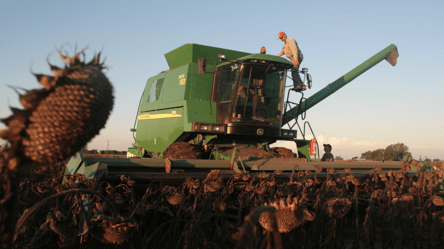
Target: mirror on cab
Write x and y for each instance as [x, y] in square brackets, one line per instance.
[309, 80]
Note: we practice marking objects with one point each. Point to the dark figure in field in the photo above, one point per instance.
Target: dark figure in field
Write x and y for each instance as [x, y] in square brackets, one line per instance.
[327, 155]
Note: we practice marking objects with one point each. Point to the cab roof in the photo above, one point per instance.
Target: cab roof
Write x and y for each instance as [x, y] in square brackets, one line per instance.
[191, 52]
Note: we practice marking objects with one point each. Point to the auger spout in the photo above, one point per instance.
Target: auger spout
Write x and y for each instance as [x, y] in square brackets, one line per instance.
[390, 54]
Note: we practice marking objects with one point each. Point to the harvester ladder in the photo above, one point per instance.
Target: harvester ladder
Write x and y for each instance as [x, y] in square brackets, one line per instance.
[289, 105]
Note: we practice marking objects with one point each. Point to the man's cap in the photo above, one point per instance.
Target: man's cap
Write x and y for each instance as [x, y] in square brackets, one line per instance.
[282, 33]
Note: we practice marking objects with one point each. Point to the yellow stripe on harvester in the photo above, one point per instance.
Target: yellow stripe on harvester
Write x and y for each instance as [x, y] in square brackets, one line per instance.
[173, 114]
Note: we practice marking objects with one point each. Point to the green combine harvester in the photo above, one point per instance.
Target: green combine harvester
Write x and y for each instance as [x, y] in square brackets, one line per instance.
[221, 109]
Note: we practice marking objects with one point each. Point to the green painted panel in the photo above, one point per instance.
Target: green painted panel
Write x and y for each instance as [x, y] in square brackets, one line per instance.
[200, 111]
[190, 52]
[303, 148]
[81, 169]
[74, 163]
[152, 92]
[137, 151]
[199, 86]
[90, 170]
[158, 129]
[174, 85]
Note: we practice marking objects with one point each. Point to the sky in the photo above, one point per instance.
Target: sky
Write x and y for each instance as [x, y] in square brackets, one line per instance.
[385, 105]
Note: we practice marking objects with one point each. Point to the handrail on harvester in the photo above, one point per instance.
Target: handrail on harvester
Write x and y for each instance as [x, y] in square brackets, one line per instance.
[390, 54]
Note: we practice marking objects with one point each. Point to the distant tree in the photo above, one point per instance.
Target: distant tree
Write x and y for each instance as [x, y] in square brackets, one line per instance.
[378, 155]
[427, 160]
[375, 155]
[338, 158]
[367, 155]
[355, 158]
[394, 152]
[436, 160]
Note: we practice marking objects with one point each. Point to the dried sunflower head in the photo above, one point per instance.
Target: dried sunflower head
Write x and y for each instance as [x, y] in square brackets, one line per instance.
[288, 215]
[263, 175]
[404, 200]
[237, 176]
[245, 177]
[213, 175]
[176, 198]
[219, 205]
[261, 188]
[213, 185]
[62, 225]
[61, 118]
[112, 231]
[338, 207]
[437, 200]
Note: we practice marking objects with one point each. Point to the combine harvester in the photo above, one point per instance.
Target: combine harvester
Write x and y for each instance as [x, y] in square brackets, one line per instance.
[221, 109]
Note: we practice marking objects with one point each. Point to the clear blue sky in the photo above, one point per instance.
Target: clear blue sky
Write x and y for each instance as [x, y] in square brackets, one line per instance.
[385, 105]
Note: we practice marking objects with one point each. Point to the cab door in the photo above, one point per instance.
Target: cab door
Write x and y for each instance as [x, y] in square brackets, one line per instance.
[224, 87]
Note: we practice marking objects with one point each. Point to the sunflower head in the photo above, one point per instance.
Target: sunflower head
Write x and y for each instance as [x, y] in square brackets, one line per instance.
[60, 119]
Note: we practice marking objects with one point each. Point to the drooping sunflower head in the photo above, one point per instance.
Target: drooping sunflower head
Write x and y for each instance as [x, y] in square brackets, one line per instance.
[58, 120]
[338, 207]
[288, 213]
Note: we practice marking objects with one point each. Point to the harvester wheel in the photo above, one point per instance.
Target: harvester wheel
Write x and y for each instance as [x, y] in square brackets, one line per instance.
[182, 150]
[283, 152]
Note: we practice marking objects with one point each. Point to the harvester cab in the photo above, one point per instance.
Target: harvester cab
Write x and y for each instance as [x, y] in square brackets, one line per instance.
[249, 91]
[215, 97]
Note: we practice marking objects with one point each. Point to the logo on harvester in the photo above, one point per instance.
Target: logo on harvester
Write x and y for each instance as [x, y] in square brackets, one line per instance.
[260, 131]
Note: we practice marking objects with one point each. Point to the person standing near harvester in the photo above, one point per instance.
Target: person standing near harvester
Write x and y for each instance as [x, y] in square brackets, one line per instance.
[294, 54]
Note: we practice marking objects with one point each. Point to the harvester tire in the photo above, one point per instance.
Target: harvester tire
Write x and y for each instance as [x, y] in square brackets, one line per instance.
[182, 150]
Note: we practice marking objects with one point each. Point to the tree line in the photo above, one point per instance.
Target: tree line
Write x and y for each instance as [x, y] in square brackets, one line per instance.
[393, 152]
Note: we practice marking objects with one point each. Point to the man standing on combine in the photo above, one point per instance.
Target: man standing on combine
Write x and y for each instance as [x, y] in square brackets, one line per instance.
[294, 54]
